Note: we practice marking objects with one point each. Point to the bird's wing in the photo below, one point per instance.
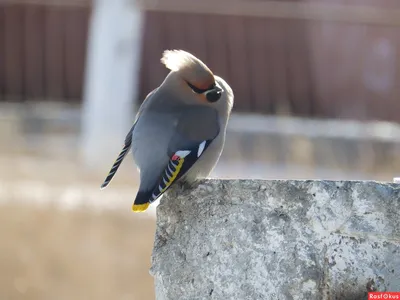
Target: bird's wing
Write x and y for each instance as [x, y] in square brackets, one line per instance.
[196, 129]
[126, 147]
[179, 163]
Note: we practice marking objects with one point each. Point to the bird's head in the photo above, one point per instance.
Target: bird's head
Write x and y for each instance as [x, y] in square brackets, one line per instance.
[193, 75]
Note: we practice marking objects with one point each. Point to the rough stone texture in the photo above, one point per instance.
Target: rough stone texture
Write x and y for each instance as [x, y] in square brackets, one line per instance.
[254, 239]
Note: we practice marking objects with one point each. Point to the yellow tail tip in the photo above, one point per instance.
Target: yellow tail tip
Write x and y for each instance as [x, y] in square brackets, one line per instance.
[140, 207]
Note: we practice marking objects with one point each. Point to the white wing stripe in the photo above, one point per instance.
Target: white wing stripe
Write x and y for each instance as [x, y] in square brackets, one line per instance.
[201, 148]
[165, 182]
[182, 153]
[170, 171]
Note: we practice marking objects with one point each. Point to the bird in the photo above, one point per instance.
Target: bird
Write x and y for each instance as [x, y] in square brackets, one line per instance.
[179, 130]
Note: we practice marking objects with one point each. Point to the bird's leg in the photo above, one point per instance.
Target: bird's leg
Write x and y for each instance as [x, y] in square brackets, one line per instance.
[184, 185]
[179, 187]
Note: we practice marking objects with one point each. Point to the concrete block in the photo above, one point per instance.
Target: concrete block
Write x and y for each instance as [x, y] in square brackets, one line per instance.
[254, 239]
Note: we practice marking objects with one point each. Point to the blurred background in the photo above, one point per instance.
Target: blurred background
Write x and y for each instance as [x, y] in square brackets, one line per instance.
[317, 87]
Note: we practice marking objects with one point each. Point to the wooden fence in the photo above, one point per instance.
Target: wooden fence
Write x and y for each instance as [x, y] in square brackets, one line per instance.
[42, 51]
[307, 59]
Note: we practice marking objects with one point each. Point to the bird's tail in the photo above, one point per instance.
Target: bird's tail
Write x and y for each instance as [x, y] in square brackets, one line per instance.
[142, 201]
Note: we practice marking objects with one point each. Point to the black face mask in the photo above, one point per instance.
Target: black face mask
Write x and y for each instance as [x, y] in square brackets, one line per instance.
[213, 93]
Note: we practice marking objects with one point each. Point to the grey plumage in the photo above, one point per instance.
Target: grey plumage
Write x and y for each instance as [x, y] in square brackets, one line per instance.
[179, 132]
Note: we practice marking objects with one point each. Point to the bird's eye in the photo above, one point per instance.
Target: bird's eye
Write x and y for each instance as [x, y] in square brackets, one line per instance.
[213, 95]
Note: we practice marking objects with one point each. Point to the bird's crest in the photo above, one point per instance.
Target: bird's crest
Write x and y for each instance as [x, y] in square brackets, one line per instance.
[190, 67]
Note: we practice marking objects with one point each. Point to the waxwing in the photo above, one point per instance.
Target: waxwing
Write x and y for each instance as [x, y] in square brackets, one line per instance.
[179, 131]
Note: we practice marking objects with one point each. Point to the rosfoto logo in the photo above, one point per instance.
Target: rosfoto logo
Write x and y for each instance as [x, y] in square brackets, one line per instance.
[384, 295]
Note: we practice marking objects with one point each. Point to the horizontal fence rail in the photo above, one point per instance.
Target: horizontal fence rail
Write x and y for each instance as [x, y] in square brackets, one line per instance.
[62, 3]
[305, 10]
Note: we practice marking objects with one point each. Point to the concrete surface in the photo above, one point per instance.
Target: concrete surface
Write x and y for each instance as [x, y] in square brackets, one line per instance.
[254, 239]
